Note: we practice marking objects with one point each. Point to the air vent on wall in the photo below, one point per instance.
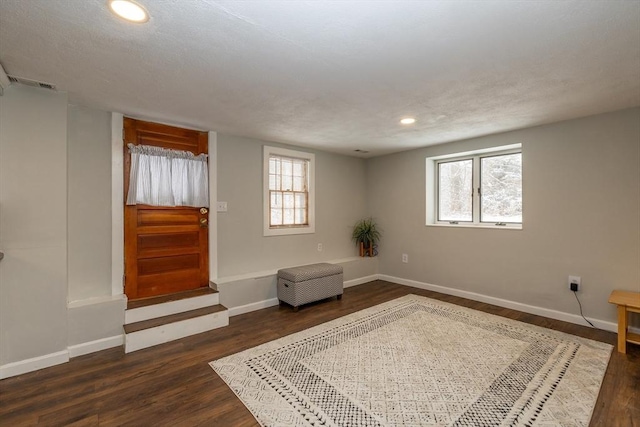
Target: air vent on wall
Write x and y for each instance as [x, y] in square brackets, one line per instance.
[32, 83]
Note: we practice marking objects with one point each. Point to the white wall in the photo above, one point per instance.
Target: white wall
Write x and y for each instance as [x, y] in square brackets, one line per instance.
[581, 186]
[245, 256]
[56, 292]
[33, 223]
[95, 317]
[340, 202]
[55, 231]
[95, 324]
[89, 203]
[582, 210]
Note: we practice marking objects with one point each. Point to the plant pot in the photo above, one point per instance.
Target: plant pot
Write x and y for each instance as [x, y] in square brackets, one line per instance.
[368, 251]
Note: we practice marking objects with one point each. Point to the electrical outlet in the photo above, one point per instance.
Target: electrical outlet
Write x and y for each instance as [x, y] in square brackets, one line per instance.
[574, 283]
[405, 258]
[319, 247]
[221, 206]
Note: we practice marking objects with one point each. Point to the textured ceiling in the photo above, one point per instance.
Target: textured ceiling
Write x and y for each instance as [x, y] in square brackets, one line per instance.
[336, 75]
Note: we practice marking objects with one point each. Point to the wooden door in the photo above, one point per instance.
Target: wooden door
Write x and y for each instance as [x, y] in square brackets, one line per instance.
[166, 249]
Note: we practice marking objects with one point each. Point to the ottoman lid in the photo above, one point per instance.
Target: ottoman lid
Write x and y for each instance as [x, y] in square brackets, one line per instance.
[308, 272]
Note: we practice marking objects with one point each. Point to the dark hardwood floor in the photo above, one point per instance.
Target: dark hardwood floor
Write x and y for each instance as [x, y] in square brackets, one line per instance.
[172, 384]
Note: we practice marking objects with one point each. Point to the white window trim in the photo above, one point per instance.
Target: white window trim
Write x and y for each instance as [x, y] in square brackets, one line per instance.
[431, 183]
[307, 229]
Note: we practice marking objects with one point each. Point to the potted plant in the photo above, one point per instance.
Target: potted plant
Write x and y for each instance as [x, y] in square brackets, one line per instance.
[366, 236]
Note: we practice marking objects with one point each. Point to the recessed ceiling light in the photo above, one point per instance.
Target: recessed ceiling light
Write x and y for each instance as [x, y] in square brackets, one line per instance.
[408, 121]
[129, 10]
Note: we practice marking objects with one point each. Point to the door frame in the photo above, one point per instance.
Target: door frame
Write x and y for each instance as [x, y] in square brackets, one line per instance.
[118, 201]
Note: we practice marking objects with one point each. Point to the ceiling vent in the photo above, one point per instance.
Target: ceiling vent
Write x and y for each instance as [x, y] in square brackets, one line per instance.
[32, 83]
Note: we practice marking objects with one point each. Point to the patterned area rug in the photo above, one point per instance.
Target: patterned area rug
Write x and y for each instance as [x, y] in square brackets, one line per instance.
[415, 361]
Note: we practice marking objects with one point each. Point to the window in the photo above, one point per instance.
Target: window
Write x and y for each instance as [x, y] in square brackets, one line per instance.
[288, 192]
[481, 188]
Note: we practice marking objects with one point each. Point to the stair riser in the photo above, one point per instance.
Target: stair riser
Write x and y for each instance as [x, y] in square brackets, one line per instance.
[168, 308]
[172, 331]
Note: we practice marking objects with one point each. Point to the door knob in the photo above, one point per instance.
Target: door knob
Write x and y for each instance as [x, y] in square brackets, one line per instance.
[204, 211]
[204, 222]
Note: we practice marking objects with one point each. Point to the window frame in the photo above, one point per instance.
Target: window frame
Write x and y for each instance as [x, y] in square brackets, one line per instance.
[280, 230]
[432, 187]
[437, 183]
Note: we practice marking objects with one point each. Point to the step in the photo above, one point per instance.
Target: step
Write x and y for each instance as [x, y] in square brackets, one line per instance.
[165, 305]
[161, 330]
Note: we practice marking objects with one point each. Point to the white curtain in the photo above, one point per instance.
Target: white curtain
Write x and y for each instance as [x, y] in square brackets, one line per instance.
[163, 177]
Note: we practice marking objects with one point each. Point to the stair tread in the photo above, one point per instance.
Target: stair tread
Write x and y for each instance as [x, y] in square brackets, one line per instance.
[164, 320]
[146, 302]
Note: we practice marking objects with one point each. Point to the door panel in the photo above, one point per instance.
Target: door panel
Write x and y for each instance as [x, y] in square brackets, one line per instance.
[167, 283]
[155, 265]
[158, 217]
[158, 241]
[166, 248]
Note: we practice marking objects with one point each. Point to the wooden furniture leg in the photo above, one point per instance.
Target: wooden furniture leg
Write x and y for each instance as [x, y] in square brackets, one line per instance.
[627, 301]
[622, 329]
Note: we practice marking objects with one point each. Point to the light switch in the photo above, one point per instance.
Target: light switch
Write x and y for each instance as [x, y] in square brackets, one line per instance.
[222, 206]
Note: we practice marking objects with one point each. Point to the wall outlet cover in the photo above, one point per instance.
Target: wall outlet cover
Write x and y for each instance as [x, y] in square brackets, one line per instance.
[574, 282]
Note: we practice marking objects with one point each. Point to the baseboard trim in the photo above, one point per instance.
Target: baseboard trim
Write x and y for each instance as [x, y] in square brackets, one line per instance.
[60, 357]
[274, 272]
[360, 280]
[33, 364]
[57, 358]
[531, 309]
[247, 308]
[97, 345]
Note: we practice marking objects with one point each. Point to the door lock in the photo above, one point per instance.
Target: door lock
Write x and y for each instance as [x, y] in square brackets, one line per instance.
[204, 222]
[204, 211]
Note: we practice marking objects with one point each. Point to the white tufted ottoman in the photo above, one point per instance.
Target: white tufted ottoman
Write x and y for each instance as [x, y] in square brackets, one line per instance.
[308, 283]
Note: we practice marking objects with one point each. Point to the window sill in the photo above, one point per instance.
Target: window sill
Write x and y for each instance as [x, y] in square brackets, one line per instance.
[288, 231]
[494, 227]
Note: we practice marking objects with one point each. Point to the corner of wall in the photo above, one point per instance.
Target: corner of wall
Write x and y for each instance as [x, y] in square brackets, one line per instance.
[117, 197]
[257, 290]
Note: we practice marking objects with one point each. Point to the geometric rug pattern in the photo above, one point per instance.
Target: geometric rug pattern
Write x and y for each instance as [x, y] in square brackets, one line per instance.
[415, 361]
